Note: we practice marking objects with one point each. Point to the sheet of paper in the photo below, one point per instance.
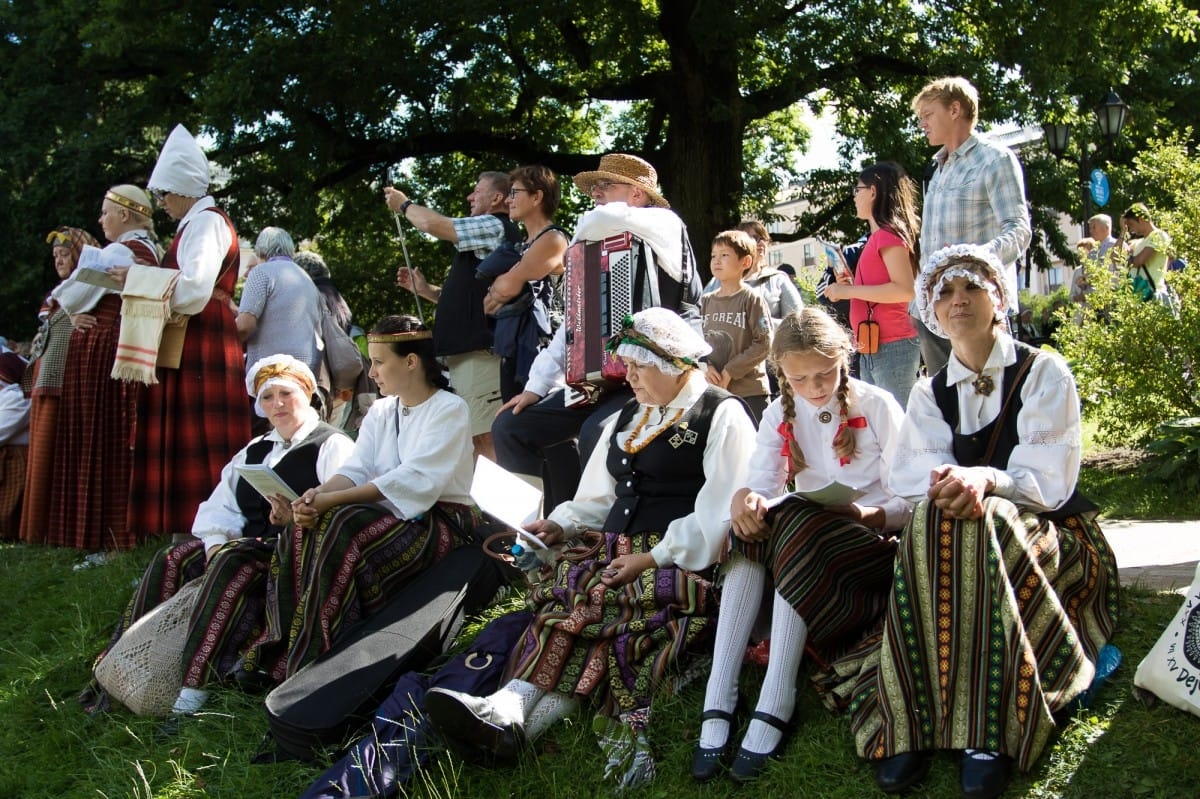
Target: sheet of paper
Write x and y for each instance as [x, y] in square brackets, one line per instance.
[264, 480]
[500, 493]
[832, 494]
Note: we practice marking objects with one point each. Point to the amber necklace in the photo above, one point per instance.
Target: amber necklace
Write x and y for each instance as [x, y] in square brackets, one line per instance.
[632, 448]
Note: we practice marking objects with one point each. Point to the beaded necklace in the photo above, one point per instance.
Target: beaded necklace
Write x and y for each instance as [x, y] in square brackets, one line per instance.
[633, 448]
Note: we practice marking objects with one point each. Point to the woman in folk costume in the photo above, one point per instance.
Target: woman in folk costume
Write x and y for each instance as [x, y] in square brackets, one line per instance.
[396, 507]
[93, 460]
[1005, 588]
[194, 419]
[14, 442]
[830, 565]
[610, 624]
[47, 375]
[235, 530]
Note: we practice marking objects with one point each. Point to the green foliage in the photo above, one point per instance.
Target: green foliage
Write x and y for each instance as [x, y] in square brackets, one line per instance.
[1175, 452]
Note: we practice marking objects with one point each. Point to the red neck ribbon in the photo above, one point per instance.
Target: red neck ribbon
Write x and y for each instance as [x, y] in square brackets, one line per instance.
[856, 422]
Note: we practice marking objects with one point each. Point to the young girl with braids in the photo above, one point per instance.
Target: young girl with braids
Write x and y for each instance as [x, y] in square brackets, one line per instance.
[831, 566]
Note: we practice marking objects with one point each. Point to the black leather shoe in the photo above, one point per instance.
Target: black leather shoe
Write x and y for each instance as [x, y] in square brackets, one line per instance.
[252, 682]
[707, 762]
[985, 775]
[900, 772]
[472, 720]
[748, 766]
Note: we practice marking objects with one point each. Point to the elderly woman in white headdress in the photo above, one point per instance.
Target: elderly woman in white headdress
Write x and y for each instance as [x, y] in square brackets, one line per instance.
[1005, 587]
[92, 459]
[192, 421]
[611, 623]
[234, 532]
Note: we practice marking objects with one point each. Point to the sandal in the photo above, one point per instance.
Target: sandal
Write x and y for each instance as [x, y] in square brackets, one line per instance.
[707, 762]
[748, 766]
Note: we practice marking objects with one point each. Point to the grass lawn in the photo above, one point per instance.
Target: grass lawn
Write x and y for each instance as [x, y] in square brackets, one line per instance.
[59, 619]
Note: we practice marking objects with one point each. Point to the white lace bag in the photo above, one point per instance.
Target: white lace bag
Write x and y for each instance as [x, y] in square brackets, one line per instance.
[144, 669]
[1171, 671]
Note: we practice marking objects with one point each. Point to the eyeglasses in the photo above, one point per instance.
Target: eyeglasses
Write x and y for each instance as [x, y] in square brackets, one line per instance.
[854, 192]
[602, 186]
[159, 195]
[512, 193]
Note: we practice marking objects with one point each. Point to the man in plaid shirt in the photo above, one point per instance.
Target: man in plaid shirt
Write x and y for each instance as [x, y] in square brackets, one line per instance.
[976, 194]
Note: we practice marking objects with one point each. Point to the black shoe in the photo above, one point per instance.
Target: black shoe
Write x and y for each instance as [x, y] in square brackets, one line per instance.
[252, 682]
[985, 775]
[472, 720]
[707, 762]
[748, 766]
[900, 772]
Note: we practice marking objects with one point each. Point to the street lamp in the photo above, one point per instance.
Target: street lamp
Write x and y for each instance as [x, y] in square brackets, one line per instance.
[1110, 114]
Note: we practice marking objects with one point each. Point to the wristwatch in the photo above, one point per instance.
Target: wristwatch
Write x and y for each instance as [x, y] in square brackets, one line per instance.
[404, 206]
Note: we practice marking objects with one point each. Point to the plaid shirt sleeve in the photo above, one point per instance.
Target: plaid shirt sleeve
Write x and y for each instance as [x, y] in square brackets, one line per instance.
[479, 234]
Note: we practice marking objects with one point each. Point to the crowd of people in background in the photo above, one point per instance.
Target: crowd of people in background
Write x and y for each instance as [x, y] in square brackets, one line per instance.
[697, 479]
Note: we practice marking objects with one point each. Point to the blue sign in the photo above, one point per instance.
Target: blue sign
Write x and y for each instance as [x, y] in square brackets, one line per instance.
[1099, 187]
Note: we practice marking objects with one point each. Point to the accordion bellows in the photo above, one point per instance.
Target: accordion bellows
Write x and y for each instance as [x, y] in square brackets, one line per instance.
[598, 292]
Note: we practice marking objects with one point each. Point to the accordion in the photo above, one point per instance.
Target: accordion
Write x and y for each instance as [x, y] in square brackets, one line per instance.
[598, 293]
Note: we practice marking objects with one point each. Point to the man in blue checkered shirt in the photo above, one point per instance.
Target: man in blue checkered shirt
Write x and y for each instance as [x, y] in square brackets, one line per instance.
[976, 194]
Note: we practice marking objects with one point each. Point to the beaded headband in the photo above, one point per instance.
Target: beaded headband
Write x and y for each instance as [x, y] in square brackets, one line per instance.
[392, 338]
[125, 202]
[630, 335]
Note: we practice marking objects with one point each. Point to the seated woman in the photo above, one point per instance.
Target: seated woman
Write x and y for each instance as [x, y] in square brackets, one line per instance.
[234, 532]
[1005, 588]
[831, 566]
[608, 625]
[394, 508]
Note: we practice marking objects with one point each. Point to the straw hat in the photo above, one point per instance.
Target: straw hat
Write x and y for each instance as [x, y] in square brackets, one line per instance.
[623, 168]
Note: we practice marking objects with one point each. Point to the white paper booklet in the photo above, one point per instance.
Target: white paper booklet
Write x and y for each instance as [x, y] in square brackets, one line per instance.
[94, 264]
[834, 493]
[501, 494]
[262, 478]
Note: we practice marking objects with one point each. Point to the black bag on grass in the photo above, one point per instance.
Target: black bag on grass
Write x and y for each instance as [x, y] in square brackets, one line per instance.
[321, 705]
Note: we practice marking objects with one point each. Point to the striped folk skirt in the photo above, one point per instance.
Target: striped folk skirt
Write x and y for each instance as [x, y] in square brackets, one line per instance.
[613, 645]
[326, 580]
[229, 610]
[836, 573]
[993, 626]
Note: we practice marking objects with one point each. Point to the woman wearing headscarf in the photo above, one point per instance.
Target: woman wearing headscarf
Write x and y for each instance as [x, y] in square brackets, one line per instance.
[1005, 589]
[93, 461]
[234, 532]
[612, 622]
[195, 418]
[50, 364]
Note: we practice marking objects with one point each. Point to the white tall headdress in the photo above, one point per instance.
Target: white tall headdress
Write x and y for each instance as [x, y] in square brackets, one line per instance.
[182, 167]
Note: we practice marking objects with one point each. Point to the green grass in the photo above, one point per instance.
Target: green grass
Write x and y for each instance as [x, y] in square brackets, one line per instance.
[58, 619]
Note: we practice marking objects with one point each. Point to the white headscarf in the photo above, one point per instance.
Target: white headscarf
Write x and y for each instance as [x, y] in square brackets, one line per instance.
[182, 167]
[943, 266]
[649, 335]
[275, 370]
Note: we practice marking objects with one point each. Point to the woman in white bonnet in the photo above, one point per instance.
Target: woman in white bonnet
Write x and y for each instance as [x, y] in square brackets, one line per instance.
[1005, 587]
[192, 422]
[610, 623]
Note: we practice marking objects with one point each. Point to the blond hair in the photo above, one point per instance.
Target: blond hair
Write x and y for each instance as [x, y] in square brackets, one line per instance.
[811, 329]
[948, 91]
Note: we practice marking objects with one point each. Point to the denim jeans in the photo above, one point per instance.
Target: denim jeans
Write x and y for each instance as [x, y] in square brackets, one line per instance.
[893, 367]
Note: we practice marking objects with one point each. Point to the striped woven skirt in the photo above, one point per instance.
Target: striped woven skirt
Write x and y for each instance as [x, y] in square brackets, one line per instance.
[230, 609]
[326, 580]
[611, 644]
[993, 626]
[836, 572]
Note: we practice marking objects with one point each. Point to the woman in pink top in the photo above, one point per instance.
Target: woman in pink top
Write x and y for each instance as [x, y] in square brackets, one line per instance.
[882, 286]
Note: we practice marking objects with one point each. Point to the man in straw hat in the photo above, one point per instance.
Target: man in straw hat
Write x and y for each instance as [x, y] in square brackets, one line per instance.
[625, 190]
[462, 334]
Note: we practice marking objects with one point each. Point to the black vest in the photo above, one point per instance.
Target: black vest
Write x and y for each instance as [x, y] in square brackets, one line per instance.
[658, 484]
[970, 449]
[461, 325]
[297, 468]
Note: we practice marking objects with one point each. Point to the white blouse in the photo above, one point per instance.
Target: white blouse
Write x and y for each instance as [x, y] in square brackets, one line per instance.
[201, 251]
[14, 416]
[77, 297]
[814, 429]
[415, 456]
[696, 540]
[1043, 467]
[219, 519]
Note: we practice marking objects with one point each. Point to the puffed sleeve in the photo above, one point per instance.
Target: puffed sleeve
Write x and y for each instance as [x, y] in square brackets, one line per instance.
[335, 451]
[925, 443]
[767, 471]
[430, 455]
[696, 540]
[201, 251]
[219, 520]
[597, 487]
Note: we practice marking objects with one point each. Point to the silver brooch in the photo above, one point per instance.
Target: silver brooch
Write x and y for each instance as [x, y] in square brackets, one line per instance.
[824, 417]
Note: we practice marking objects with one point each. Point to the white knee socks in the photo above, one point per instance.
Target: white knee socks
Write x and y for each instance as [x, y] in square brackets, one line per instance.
[778, 695]
[740, 596]
[549, 709]
[516, 700]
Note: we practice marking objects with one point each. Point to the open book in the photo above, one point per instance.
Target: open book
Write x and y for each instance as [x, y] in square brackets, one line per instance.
[94, 264]
[262, 478]
[501, 494]
[834, 493]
